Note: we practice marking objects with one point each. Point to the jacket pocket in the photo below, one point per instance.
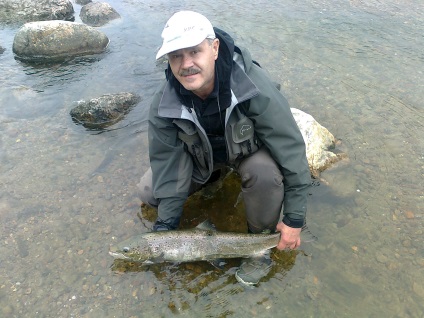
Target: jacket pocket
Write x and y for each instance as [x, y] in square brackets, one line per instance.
[243, 137]
[190, 136]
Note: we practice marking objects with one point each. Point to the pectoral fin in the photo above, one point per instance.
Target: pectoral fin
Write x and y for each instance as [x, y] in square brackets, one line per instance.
[158, 259]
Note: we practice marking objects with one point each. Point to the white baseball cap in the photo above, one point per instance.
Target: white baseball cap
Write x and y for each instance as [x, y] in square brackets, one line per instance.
[185, 29]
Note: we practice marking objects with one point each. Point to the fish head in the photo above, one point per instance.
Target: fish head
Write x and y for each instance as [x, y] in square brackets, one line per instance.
[134, 249]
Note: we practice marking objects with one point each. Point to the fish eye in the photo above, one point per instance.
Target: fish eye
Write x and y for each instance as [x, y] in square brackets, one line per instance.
[126, 249]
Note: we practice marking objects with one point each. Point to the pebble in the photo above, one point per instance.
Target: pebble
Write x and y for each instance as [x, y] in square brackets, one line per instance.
[418, 288]
[409, 214]
[381, 258]
[82, 220]
[129, 223]
[107, 229]
[406, 243]
[7, 310]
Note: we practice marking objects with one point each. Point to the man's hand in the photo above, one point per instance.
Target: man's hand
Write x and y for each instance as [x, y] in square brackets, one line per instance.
[290, 237]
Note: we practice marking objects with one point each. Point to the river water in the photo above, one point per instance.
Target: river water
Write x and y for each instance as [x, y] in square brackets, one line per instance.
[68, 193]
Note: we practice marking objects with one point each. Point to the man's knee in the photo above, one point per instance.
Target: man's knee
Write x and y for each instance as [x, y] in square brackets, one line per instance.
[260, 170]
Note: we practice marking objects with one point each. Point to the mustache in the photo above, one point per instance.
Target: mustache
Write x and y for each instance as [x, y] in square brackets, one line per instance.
[189, 71]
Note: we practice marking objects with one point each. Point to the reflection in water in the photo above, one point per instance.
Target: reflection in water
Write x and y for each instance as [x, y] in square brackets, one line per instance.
[68, 193]
[61, 74]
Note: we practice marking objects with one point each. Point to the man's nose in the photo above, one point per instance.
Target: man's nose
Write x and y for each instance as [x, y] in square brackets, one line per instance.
[187, 61]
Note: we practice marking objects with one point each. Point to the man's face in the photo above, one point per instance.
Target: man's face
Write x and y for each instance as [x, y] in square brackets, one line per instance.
[194, 67]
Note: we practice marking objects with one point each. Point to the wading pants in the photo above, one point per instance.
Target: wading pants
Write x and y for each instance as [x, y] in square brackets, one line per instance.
[261, 184]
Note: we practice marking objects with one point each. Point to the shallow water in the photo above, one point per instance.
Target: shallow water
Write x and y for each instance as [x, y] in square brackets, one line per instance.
[68, 193]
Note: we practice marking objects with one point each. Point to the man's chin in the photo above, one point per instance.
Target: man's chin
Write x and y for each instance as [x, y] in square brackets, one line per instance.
[190, 86]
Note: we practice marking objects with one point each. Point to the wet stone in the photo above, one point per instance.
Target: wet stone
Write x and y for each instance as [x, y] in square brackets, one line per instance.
[381, 258]
[106, 110]
[82, 220]
[418, 288]
[82, 2]
[409, 215]
[12, 11]
[47, 41]
[7, 310]
[98, 14]
[406, 243]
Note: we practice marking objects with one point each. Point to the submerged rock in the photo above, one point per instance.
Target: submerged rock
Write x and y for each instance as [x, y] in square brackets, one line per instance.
[98, 13]
[35, 10]
[2, 49]
[318, 142]
[51, 40]
[106, 110]
[82, 2]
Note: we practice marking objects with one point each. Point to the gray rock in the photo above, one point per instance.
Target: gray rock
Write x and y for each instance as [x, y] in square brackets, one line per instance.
[52, 40]
[82, 2]
[106, 110]
[98, 13]
[318, 141]
[12, 11]
[2, 49]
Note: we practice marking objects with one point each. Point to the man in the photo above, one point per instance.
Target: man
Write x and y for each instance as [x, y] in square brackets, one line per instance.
[218, 107]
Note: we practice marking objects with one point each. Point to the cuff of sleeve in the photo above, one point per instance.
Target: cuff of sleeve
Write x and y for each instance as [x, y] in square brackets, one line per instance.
[294, 223]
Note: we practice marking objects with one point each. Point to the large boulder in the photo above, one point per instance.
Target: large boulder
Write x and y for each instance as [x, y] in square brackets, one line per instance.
[106, 110]
[98, 13]
[319, 142]
[52, 40]
[12, 11]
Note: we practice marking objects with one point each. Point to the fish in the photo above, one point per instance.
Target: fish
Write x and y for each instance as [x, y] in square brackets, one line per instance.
[202, 243]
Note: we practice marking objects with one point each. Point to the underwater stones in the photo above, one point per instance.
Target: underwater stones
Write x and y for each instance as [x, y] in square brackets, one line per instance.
[98, 13]
[318, 141]
[106, 110]
[35, 10]
[82, 2]
[51, 40]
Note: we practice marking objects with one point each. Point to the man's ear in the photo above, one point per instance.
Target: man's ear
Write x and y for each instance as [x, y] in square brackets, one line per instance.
[215, 47]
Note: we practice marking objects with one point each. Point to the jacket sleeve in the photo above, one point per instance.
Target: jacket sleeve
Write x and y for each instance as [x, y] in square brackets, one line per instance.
[171, 165]
[277, 129]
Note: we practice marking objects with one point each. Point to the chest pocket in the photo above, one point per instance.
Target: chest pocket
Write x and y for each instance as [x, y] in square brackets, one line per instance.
[243, 137]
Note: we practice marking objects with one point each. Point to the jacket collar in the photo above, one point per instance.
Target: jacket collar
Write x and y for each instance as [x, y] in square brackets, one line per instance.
[242, 88]
[232, 65]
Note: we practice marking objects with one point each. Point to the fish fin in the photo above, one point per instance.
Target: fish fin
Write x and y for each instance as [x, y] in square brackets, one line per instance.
[206, 226]
[157, 259]
[307, 236]
[218, 263]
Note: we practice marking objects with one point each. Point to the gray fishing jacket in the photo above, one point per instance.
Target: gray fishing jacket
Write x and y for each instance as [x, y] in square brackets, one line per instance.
[259, 115]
